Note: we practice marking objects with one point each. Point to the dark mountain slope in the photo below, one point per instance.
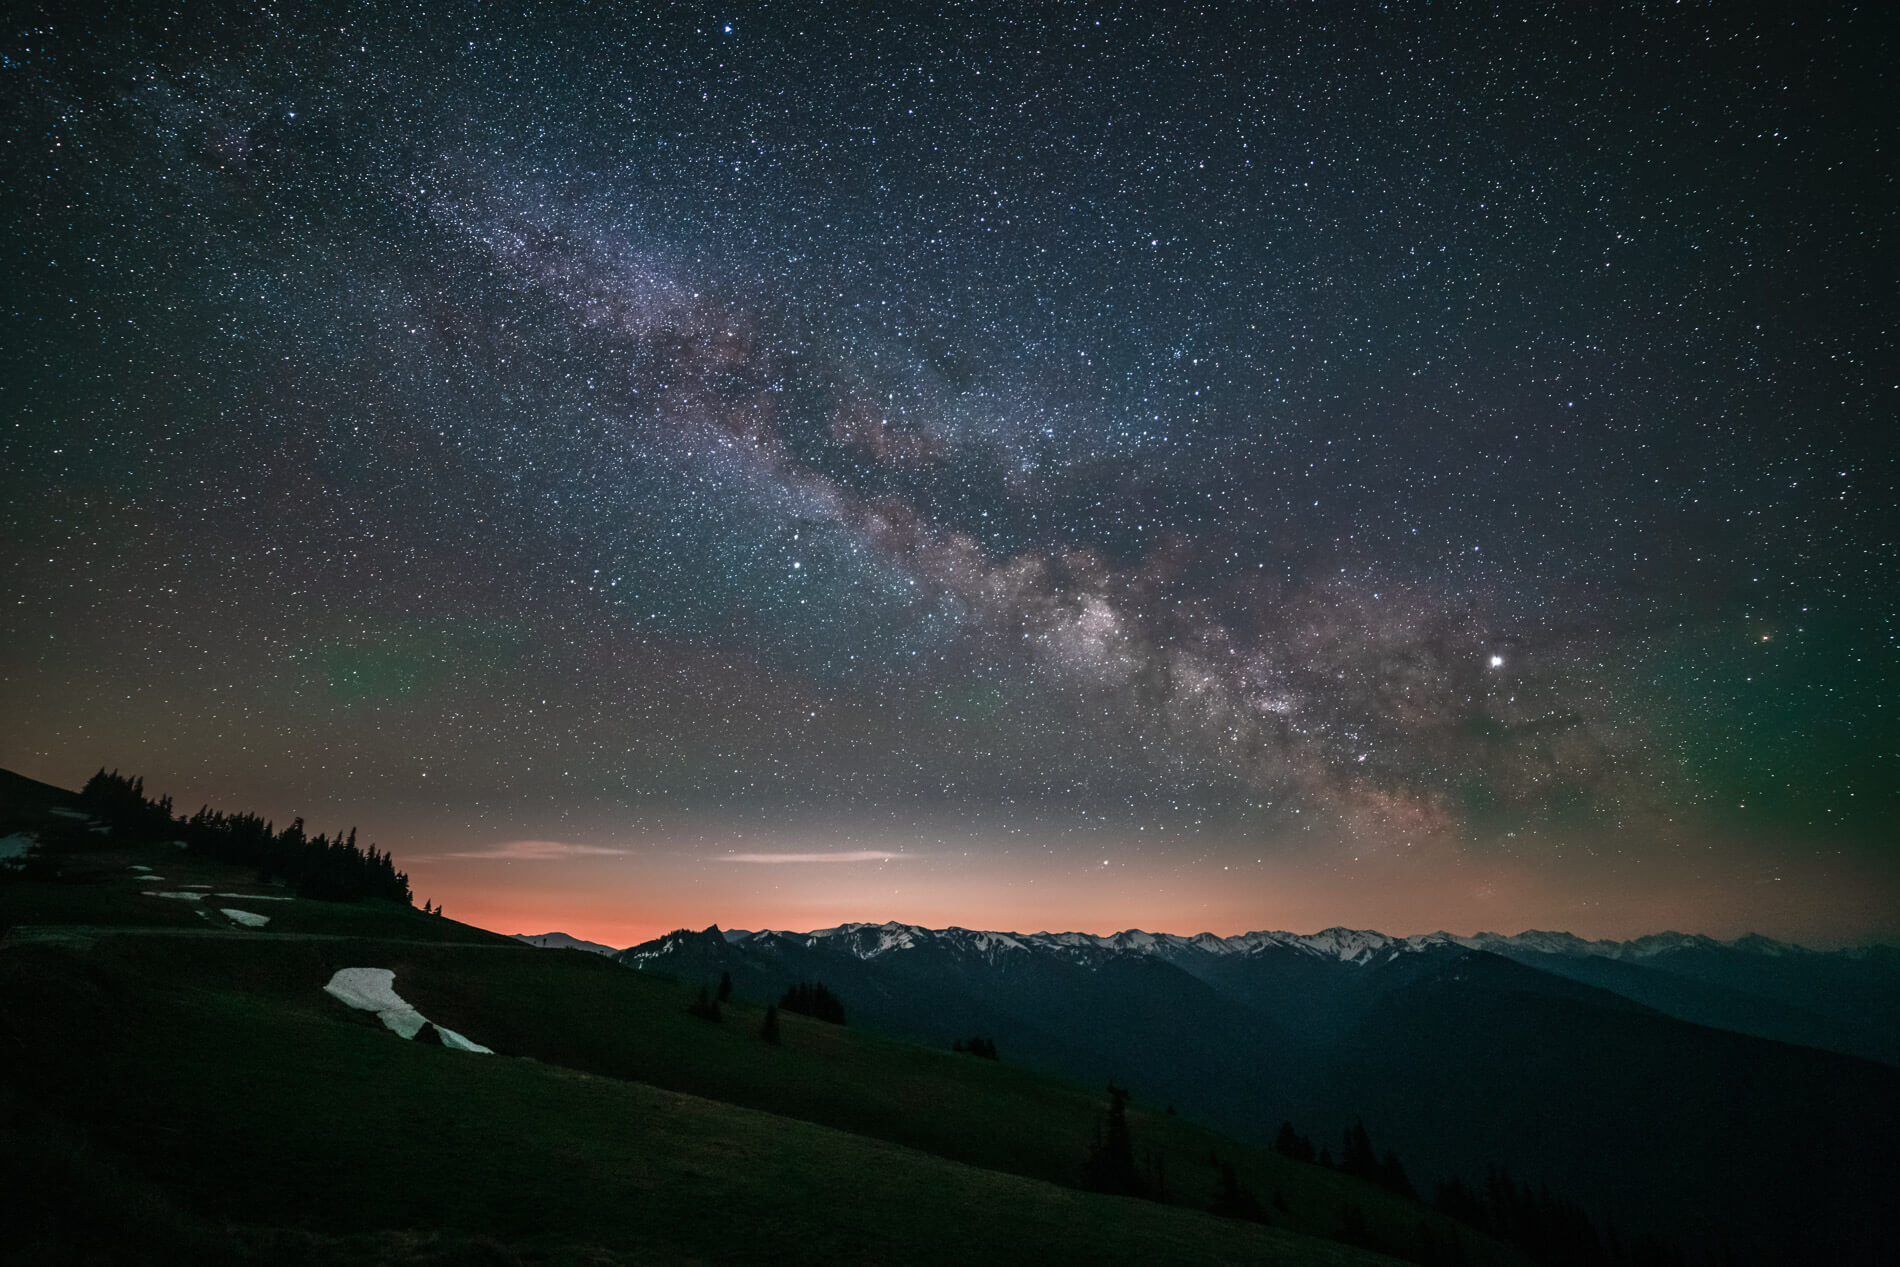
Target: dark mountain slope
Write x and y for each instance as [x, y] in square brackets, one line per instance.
[1459, 1059]
[1117, 1016]
[1835, 1005]
[1712, 1138]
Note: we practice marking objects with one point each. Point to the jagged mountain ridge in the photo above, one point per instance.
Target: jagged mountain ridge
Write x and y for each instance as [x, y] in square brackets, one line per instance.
[1343, 945]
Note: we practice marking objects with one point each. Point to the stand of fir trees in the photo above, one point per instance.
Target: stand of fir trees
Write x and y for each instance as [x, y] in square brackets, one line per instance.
[811, 998]
[1548, 1229]
[334, 869]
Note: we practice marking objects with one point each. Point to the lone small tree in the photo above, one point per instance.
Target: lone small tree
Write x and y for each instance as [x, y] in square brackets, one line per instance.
[725, 986]
[769, 1030]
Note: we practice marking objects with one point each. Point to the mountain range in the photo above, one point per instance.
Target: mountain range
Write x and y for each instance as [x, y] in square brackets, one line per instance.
[1707, 1091]
[1845, 1001]
[561, 941]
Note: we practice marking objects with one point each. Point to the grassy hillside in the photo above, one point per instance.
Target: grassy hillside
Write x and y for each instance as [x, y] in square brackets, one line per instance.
[310, 1128]
[191, 1091]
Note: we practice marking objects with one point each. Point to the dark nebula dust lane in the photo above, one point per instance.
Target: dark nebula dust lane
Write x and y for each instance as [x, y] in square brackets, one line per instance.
[1234, 468]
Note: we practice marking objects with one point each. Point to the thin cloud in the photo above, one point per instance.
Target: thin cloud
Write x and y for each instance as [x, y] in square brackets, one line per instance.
[856, 855]
[532, 851]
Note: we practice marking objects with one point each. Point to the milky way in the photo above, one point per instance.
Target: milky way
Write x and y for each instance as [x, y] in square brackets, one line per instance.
[1111, 436]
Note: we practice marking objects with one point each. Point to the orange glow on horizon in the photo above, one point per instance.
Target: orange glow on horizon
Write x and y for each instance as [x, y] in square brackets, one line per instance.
[621, 902]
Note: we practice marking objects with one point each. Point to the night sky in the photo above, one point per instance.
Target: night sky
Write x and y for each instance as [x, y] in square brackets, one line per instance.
[1048, 466]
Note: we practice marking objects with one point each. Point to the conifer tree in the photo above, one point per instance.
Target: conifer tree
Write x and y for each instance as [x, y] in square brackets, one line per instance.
[1231, 1199]
[1111, 1162]
[704, 1006]
[1290, 1143]
[1356, 1157]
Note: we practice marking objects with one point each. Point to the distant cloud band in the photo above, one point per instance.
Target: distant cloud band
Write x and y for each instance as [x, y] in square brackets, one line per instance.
[532, 851]
[856, 855]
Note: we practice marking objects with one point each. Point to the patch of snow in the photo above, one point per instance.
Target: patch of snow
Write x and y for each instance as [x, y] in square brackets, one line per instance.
[1348, 945]
[70, 813]
[257, 897]
[149, 879]
[138, 866]
[173, 893]
[179, 844]
[246, 918]
[892, 936]
[374, 990]
[100, 830]
[16, 845]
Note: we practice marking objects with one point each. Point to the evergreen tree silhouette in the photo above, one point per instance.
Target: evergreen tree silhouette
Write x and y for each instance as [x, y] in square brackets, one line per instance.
[725, 986]
[769, 1029]
[1392, 1177]
[1111, 1162]
[1356, 1157]
[1290, 1143]
[328, 867]
[705, 1007]
[1231, 1200]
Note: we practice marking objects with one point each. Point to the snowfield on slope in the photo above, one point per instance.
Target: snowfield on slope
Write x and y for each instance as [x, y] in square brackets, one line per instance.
[374, 990]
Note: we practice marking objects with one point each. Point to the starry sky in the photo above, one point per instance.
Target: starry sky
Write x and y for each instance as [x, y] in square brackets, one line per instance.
[1061, 466]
